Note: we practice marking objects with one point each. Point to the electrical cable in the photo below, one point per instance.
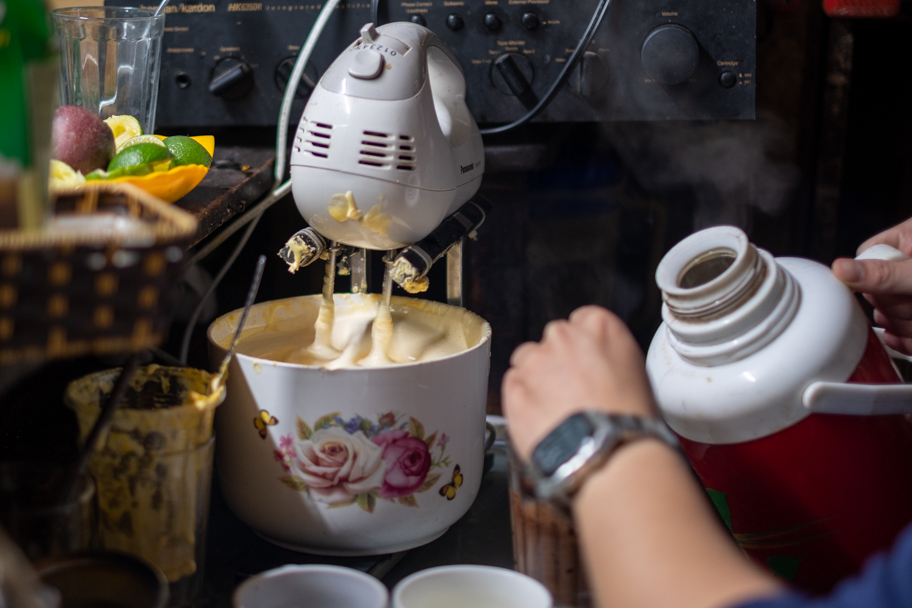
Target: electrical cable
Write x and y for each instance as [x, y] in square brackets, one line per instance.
[297, 74]
[253, 215]
[292, 87]
[255, 211]
[375, 12]
[279, 189]
[188, 333]
[597, 17]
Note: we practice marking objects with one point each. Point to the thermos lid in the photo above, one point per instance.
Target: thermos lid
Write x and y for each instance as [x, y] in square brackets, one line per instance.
[708, 270]
[724, 298]
[744, 335]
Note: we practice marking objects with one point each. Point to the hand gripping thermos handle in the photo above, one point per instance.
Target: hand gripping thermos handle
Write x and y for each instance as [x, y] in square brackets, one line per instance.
[863, 399]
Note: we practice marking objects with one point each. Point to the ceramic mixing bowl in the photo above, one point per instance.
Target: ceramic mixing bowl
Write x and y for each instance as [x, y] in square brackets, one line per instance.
[351, 461]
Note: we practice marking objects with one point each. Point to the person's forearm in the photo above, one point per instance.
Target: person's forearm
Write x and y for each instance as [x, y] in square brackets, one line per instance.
[650, 538]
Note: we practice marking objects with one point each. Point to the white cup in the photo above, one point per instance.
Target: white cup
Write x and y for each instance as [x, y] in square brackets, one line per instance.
[470, 586]
[313, 587]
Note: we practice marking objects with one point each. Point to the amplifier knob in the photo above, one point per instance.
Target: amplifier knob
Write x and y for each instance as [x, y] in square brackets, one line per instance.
[455, 22]
[308, 78]
[670, 54]
[512, 74]
[492, 22]
[231, 79]
[590, 75]
[529, 20]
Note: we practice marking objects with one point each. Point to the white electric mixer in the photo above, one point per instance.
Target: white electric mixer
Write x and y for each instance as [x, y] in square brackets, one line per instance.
[385, 150]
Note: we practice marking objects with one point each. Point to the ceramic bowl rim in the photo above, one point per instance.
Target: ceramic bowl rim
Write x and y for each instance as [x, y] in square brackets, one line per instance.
[484, 342]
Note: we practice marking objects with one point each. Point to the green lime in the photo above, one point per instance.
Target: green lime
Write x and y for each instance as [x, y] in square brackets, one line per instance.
[136, 170]
[141, 139]
[124, 127]
[139, 154]
[187, 151]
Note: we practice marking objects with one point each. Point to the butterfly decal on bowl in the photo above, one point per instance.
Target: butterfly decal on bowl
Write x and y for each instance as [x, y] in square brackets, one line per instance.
[449, 489]
[263, 420]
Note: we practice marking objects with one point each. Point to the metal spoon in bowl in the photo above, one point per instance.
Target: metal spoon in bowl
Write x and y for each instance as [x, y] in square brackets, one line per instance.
[218, 381]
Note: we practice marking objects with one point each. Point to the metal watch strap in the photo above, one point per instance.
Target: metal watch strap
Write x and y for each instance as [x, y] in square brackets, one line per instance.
[610, 431]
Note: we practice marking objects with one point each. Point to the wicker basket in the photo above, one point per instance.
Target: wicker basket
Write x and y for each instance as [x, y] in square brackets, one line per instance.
[92, 284]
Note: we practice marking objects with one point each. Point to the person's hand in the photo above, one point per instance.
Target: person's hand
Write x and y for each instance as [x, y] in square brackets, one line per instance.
[590, 361]
[886, 285]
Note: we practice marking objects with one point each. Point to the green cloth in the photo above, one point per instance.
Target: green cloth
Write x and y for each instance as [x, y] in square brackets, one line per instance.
[25, 39]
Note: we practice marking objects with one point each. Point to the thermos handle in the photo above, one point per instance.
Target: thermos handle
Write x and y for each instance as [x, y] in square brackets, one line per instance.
[863, 399]
[882, 252]
[890, 254]
[858, 399]
[894, 354]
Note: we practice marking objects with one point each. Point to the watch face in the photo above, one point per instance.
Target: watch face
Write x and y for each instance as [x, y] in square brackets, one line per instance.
[561, 444]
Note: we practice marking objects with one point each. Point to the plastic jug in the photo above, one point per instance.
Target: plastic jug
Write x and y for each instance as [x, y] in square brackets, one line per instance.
[786, 403]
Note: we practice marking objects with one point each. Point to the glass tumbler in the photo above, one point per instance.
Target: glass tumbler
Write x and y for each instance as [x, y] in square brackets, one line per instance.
[110, 60]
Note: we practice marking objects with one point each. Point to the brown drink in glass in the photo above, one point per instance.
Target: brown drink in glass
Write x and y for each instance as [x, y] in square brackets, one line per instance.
[544, 543]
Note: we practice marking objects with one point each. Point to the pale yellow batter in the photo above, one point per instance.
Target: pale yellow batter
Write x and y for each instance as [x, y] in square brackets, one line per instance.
[321, 348]
[342, 208]
[407, 277]
[414, 331]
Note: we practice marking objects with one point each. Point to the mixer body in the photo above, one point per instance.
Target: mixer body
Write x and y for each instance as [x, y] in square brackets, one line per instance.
[389, 124]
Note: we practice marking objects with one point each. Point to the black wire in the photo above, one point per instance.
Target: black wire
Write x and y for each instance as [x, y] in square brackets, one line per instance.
[584, 42]
[597, 17]
[191, 324]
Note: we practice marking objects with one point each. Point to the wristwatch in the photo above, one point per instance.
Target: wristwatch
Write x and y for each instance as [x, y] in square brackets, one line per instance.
[582, 444]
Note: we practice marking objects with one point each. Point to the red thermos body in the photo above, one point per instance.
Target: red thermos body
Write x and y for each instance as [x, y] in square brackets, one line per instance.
[786, 403]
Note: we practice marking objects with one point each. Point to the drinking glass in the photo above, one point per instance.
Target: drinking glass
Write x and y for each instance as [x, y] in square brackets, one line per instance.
[110, 59]
[545, 546]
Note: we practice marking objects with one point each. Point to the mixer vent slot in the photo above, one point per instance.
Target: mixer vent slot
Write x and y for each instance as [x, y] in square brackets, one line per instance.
[387, 151]
[377, 149]
[318, 138]
[406, 157]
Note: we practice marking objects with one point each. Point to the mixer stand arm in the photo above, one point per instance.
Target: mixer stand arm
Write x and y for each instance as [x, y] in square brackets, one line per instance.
[413, 263]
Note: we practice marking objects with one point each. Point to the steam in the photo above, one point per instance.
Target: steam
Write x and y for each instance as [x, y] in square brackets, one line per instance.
[730, 166]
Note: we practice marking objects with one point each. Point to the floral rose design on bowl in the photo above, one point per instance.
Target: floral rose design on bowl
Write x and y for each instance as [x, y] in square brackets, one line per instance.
[357, 461]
